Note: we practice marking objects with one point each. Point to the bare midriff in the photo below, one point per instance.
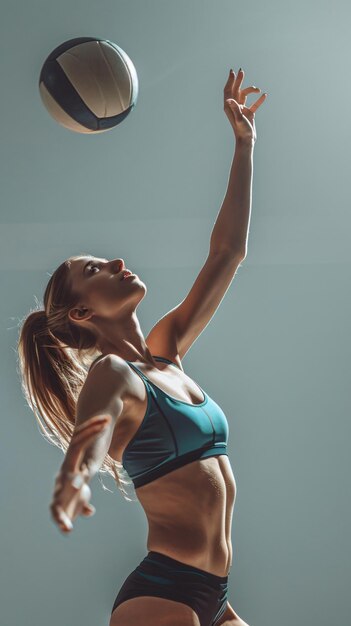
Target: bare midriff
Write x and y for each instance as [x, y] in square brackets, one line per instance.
[189, 512]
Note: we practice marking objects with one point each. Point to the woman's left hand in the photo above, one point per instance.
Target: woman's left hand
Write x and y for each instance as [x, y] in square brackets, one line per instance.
[241, 117]
[71, 498]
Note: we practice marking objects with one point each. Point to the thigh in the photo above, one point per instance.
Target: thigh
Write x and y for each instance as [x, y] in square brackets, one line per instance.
[230, 618]
[153, 611]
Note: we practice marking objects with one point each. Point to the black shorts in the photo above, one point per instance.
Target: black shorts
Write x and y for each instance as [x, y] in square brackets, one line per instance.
[161, 576]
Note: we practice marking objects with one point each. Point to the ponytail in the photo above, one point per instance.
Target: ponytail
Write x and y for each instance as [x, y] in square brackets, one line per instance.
[51, 382]
[54, 358]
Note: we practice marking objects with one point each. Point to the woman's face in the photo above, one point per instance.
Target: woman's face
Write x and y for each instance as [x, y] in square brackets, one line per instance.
[102, 288]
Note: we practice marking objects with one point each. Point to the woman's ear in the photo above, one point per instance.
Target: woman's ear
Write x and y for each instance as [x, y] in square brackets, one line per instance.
[79, 314]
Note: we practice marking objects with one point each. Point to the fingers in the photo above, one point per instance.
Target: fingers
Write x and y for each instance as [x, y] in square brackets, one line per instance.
[232, 89]
[238, 81]
[60, 517]
[228, 88]
[64, 510]
[258, 103]
[248, 90]
[232, 78]
[88, 510]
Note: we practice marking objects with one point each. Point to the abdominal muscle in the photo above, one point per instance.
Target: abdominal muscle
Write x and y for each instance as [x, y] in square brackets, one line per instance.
[190, 511]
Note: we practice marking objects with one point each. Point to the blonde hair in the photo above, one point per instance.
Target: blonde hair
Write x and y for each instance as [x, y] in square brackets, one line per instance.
[54, 356]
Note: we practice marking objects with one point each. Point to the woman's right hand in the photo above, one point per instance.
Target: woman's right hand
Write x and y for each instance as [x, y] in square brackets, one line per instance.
[241, 117]
[71, 492]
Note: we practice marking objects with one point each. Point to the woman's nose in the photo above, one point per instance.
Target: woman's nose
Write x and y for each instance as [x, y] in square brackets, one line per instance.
[118, 265]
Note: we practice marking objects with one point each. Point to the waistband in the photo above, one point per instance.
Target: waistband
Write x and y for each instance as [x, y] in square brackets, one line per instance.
[191, 569]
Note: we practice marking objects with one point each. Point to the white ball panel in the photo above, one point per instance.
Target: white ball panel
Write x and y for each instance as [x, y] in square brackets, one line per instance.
[123, 69]
[100, 76]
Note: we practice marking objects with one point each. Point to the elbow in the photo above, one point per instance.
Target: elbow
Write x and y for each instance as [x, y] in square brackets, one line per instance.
[236, 253]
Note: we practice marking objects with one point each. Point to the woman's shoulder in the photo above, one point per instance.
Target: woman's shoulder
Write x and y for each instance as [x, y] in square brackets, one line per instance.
[108, 361]
[105, 389]
[108, 377]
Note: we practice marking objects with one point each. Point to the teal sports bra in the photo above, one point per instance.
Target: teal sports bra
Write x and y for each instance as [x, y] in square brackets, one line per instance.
[173, 433]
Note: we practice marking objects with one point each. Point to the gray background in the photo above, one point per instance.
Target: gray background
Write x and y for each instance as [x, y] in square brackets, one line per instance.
[276, 356]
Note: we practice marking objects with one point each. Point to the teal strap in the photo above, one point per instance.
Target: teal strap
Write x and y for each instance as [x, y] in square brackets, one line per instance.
[138, 370]
[162, 358]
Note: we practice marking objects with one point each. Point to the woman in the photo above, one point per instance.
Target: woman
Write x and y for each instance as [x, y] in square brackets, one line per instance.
[136, 410]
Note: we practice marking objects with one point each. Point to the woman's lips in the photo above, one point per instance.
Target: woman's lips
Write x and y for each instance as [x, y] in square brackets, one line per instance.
[127, 274]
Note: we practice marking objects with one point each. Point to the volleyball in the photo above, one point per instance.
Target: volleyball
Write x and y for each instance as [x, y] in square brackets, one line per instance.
[88, 85]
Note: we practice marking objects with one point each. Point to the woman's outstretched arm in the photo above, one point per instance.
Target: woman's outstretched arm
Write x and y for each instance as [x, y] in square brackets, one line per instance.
[185, 322]
[99, 406]
[72, 494]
